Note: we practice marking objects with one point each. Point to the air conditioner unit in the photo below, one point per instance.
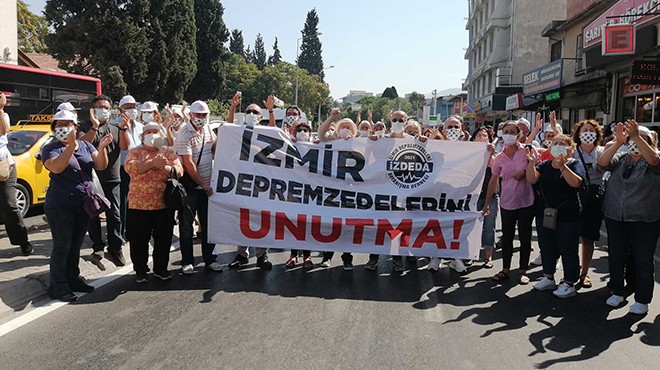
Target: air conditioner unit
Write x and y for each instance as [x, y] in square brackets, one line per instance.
[503, 72]
[502, 81]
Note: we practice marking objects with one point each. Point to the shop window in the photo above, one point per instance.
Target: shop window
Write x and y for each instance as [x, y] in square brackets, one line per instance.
[555, 51]
[590, 113]
[644, 108]
[656, 107]
[628, 108]
[579, 54]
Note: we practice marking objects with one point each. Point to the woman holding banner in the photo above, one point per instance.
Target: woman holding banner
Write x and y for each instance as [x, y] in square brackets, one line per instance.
[488, 230]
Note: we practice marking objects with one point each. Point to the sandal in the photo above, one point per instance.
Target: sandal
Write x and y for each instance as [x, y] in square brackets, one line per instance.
[308, 263]
[585, 281]
[291, 262]
[524, 280]
[501, 276]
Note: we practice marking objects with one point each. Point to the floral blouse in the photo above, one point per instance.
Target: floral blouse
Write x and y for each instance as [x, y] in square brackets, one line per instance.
[146, 190]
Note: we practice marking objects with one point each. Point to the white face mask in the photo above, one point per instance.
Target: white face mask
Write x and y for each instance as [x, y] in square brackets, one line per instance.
[588, 137]
[132, 113]
[251, 119]
[509, 139]
[557, 150]
[547, 143]
[150, 139]
[289, 120]
[147, 117]
[199, 122]
[62, 133]
[633, 149]
[102, 114]
[454, 134]
[500, 133]
[302, 136]
[364, 133]
[345, 132]
[177, 121]
[379, 133]
[397, 127]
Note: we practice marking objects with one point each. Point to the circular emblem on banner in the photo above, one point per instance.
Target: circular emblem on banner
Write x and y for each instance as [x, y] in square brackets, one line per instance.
[409, 166]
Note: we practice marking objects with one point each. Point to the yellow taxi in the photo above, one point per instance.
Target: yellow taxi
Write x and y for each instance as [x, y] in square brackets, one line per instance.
[26, 138]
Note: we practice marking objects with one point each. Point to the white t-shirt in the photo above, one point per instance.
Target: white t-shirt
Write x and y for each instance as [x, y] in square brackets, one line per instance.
[4, 141]
[189, 142]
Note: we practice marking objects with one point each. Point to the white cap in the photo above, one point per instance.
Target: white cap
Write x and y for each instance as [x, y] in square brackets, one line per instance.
[148, 106]
[643, 130]
[199, 107]
[178, 111]
[66, 106]
[65, 115]
[548, 128]
[127, 100]
[152, 126]
[524, 121]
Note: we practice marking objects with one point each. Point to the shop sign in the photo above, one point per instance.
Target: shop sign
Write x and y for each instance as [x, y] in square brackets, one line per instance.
[619, 40]
[514, 101]
[635, 12]
[645, 72]
[543, 79]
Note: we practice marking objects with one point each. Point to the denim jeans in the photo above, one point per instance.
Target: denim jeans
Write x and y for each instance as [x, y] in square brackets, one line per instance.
[141, 227]
[488, 229]
[68, 228]
[10, 212]
[113, 222]
[562, 242]
[637, 240]
[523, 217]
[199, 203]
[123, 200]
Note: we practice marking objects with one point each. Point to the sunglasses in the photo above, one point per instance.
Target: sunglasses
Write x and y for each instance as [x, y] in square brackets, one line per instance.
[627, 172]
[252, 111]
[398, 120]
[302, 129]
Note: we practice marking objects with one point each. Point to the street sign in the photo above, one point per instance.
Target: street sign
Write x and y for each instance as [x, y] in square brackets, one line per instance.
[433, 118]
[552, 96]
[645, 72]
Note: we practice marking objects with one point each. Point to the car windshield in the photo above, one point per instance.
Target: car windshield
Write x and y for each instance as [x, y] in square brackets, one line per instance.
[21, 141]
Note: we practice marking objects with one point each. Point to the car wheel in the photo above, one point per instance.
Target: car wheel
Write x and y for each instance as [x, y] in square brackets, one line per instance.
[23, 199]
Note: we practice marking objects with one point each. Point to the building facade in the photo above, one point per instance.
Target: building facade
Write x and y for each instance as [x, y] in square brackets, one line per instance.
[8, 32]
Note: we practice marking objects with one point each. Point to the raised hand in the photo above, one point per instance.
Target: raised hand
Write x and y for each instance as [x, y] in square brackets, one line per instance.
[620, 133]
[236, 100]
[539, 122]
[335, 112]
[105, 141]
[93, 118]
[270, 102]
[632, 127]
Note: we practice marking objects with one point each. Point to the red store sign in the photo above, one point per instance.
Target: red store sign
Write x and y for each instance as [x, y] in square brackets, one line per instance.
[626, 12]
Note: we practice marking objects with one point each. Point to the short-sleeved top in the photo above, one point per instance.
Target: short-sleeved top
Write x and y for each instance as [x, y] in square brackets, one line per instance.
[189, 142]
[111, 173]
[514, 194]
[556, 192]
[636, 198]
[134, 133]
[4, 141]
[67, 189]
[146, 190]
[591, 163]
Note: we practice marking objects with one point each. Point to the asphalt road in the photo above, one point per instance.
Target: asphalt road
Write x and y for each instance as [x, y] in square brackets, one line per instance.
[330, 318]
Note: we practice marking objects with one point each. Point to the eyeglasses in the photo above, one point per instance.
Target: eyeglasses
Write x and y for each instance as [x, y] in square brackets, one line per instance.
[628, 171]
[302, 129]
[398, 120]
[252, 111]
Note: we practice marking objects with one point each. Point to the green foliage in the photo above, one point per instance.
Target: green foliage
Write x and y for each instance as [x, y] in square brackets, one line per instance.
[236, 44]
[218, 108]
[379, 107]
[32, 30]
[310, 57]
[114, 83]
[211, 53]
[417, 100]
[276, 57]
[259, 52]
[390, 92]
[249, 55]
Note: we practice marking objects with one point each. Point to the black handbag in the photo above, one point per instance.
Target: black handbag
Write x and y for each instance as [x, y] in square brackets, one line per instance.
[593, 194]
[175, 196]
[186, 180]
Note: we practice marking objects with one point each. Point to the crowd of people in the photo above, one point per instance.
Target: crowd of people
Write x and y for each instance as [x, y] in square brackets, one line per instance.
[566, 185]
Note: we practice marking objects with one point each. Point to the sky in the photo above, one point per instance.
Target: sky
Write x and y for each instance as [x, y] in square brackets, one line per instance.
[414, 45]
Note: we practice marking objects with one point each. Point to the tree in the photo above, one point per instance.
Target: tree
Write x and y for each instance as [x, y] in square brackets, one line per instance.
[240, 76]
[276, 57]
[211, 53]
[310, 57]
[249, 55]
[32, 30]
[93, 38]
[390, 92]
[259, 52]
[417, 100]
[236, 44]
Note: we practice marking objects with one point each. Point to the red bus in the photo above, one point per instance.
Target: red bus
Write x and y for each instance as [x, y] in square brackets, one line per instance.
[32, 92]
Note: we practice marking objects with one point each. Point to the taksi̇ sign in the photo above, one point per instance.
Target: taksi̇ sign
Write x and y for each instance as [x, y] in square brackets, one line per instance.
[390, 196]
[542, 79]
[636, 12]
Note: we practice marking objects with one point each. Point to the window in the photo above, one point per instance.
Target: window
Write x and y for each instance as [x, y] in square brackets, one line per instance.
[555, 51]
[578, 54]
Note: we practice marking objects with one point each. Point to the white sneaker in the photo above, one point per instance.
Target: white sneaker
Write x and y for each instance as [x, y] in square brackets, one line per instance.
[545, 284]
[174, 247]
[457, 265]
[536, 261]
[639, 308]
[326, 263]
[188, 270]
[434, 264]
[614, 300]
[215, 266]
[564, 291]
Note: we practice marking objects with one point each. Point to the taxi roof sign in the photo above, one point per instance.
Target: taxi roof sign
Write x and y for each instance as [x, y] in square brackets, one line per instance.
[44, 118]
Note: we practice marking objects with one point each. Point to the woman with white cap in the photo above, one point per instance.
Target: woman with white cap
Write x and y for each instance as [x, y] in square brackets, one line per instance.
[70, 163]
[632, 211]
[149, 167]
[127, 106]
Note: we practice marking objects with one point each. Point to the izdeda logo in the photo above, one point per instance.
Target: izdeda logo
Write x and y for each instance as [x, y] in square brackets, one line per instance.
[409, 166]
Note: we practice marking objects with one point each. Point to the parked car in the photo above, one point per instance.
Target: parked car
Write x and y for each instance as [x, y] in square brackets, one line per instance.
[25, 143]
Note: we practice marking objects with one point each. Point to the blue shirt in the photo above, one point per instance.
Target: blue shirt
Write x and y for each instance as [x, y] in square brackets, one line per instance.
[67, 189]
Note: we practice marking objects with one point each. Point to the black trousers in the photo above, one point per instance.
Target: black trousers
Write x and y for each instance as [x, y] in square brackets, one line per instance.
[140, 227]
[524, 218]
[10, 212]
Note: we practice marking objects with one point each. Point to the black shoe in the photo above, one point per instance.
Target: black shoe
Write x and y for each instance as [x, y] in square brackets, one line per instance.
[498, 245]
[411, 260]
[141, 278]
[82, 287]
[263, 262]
[96, 259]
[348, 266]
[27, 249]
[117, 258]
[163, 275]
[66, 297]
[239, 261]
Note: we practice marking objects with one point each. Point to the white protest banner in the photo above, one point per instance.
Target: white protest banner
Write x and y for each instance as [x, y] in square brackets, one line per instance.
[390, 196]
